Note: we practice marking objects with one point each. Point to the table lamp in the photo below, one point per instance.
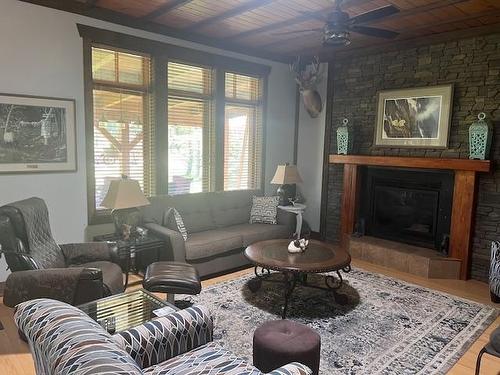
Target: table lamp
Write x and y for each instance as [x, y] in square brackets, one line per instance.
[287, 176]
[123, 197]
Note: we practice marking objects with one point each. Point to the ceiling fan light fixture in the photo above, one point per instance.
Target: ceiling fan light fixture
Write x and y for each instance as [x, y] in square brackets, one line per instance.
[336, 38]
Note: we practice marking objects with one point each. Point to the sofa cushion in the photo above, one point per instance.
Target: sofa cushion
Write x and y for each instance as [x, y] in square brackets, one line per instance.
[252, 233]
[209, 359]
[211, 242]
[153, 213]
[195, 211]
[232, 207]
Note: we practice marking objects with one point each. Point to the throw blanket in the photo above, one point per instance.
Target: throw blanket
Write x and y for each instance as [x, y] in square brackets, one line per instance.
[43, 248]
[60, 284]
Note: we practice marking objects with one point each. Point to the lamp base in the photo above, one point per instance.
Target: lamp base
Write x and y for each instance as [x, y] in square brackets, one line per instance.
[129, 216]
[285, 192]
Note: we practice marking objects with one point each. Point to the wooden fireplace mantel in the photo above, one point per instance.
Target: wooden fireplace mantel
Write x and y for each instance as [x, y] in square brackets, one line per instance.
[407, 162]
[464, 195]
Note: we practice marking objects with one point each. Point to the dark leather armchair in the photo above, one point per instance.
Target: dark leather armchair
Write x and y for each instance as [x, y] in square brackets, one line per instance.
[72, 273]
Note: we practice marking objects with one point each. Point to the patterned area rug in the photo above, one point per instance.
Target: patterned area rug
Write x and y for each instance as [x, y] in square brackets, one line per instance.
[387, 327]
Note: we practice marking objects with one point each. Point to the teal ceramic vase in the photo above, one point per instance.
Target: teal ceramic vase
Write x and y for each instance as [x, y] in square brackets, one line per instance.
[480, 138]
[344, 138]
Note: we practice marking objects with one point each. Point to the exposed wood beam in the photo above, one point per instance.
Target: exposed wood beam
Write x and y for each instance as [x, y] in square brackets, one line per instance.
[122, 19]
[164, 9]
[246, 7]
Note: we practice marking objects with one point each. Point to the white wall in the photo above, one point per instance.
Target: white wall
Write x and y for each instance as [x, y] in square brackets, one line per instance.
[310, 155]
[41, 54]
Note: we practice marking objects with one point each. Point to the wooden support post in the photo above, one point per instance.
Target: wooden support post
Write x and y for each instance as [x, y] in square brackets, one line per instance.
[349, 203]
[462, 219]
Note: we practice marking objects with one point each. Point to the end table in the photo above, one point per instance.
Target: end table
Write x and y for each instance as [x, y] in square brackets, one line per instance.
[127, 249]
[297, 209]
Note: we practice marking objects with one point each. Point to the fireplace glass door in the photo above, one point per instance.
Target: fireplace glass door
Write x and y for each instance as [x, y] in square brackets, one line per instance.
[408, 206]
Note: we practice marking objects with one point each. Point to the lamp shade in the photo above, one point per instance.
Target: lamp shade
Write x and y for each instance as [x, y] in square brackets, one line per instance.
[124, 193]
[286, 174]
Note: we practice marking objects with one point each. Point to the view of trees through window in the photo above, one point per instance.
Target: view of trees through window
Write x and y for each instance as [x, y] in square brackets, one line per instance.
[120, 97]
[197, 145]
[242, 132]
[190, 126]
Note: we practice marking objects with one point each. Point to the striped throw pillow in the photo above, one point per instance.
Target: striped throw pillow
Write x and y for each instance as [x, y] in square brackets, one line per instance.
[264, 210]
[172, 219]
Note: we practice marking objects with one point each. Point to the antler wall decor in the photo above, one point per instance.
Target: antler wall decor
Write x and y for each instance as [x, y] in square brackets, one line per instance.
[307, 77]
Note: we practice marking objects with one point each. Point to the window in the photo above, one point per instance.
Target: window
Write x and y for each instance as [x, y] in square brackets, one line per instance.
[204, 132]
[242, 132]
[121, 113]
[190, 128]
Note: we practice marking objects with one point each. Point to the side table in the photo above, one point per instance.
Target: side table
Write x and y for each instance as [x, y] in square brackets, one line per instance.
[128, 249]
[298, 209]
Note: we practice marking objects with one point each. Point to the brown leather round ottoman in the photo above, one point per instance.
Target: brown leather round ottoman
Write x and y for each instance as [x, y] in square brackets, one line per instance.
[278, 342]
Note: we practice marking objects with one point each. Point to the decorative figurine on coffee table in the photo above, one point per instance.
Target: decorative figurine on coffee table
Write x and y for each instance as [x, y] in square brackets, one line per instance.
[480, 138]
[344, 139]
[298, 246]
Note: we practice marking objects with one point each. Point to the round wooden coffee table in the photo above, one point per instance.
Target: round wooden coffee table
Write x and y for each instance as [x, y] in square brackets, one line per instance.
[319, 257]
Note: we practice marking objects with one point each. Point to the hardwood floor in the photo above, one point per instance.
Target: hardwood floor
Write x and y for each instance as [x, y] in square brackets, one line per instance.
[15, 358]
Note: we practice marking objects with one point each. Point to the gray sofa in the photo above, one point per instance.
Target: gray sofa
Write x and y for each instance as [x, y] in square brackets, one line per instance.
[218, 228]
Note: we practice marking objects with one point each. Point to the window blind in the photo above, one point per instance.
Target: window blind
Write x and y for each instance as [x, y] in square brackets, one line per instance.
[190, 128]
[122, 120]
[243, 132]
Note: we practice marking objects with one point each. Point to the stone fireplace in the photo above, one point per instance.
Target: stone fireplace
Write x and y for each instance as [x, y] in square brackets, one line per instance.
[397, 211]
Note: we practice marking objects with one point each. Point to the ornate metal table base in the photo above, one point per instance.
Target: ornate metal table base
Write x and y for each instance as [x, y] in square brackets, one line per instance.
[291, 279]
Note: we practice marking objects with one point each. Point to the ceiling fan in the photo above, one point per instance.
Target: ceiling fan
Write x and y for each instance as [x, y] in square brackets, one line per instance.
[338, 25]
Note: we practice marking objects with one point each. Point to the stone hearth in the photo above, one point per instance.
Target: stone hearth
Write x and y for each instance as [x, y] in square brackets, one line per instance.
[416, 260]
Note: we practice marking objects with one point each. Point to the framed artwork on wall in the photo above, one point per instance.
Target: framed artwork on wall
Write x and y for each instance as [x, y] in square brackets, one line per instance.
[416, 117]
[37, 134]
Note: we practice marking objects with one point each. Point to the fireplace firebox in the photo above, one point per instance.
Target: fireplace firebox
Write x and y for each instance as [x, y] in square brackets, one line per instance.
[407, 205]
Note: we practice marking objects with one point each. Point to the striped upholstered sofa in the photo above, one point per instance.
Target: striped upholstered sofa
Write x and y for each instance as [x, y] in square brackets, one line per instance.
[64, 340]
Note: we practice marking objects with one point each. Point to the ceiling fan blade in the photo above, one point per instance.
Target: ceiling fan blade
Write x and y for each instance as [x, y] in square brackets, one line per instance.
[297, 31]
[375, 14]
[373, 31]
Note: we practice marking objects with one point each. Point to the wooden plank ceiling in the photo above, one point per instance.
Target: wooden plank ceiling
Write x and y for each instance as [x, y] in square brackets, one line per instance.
[257, 26]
